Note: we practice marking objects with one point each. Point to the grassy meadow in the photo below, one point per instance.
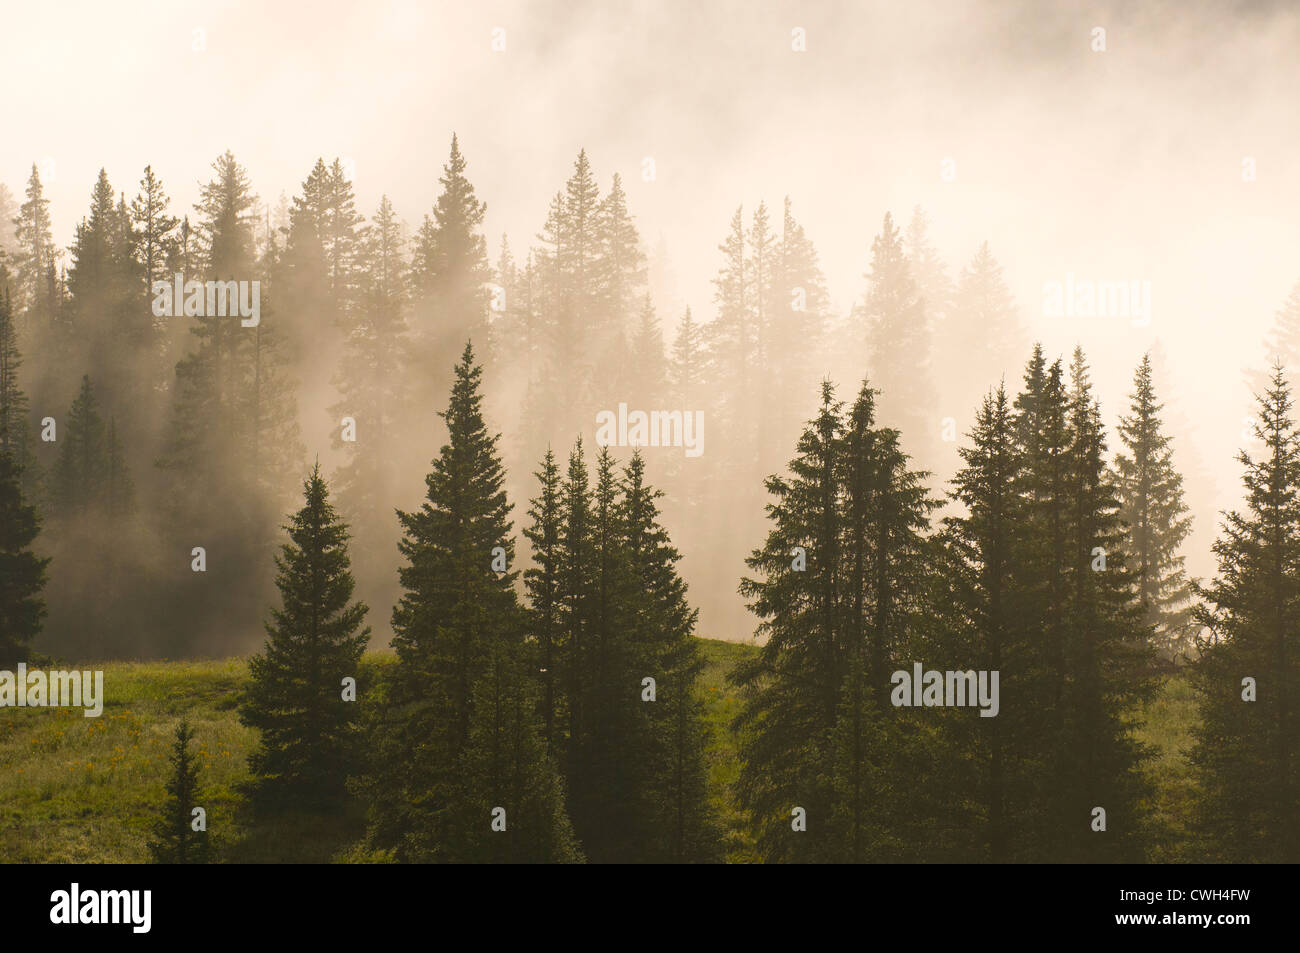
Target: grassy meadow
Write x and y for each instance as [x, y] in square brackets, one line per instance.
[86, 790]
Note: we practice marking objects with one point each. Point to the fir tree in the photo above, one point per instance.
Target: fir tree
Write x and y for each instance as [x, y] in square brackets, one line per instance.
[895, 325]
[981, 333]
[1245, 750]
[609, 753]
[234, 401]
[175, 839]
[1151, 503]
[450, 271]
[36, 253]
[621, 279]
[22, 572]
[1282, 345]
[543, 584]
[315, 641]
[648, 375]
[792, 688]
[90, 472]
[983, 547]
[885, 566]
[661, 623]
[15, 432]
[153, 229]
[1080, 607]
[371, 378]
[688, 367]
[797, 326]
[456, 700]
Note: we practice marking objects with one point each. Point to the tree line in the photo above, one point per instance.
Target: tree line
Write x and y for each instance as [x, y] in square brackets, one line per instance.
[1059, 567]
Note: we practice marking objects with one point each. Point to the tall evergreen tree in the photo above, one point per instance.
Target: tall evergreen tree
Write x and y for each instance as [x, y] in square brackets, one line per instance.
[36, 253]
[984, 575]
[1247, 680]
[15, 429]
[450, 271]
[980, 337]
[1080, 606]
[791, 688]
[372, 379]
[455, 700]
[22, 572]
[90, 473]
[689, 365]
[609, 751]
[645, 384]
[661, 623]
[621, 281]
[1151, 503]
[845, 568]
[233, 401]
[896, 328]
[1282, 345]
[153, 228]
[543, 584]
[885, 565]
[315, 640]
[798, 321]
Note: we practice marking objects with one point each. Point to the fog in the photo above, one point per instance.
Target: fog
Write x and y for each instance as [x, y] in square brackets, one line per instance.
[1000, 120]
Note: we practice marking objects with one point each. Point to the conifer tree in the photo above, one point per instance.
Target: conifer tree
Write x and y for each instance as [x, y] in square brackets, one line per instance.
[1080, 606]
[8, 212]
[22, 572]
[36, 253]
[928, 270]
[1282, 345]
[175, 840]
[455, 701]
[661, 622]
[153, 229]
[577, 586]
[895, 326]
[798, 320]
[509, 799]
[114, 338]
[885, 566]
[687, 370]
[791, 689]
[371, 379]
[621, 283]
[572, 292]
[449, 270]
[648, 377]
[610, 798]
[1150, 494]
[232, 401]
[314, 642]
[981, 335]
[983, 547]
[732, 337]
[15, 431]
[1247, 679]
[90, 472]
[323, 260]
[543, 584]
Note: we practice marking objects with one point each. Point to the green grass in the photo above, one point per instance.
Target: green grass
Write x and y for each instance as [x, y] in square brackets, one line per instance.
[723, 704]
[1167, 731]
[86, 790]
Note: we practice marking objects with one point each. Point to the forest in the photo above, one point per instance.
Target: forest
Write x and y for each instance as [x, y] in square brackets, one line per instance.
[468, 583]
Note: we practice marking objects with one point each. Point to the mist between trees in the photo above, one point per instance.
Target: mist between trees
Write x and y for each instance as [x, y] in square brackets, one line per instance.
[147, 462]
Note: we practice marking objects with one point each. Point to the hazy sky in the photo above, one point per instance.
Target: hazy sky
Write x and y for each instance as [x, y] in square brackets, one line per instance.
[1124, 164]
